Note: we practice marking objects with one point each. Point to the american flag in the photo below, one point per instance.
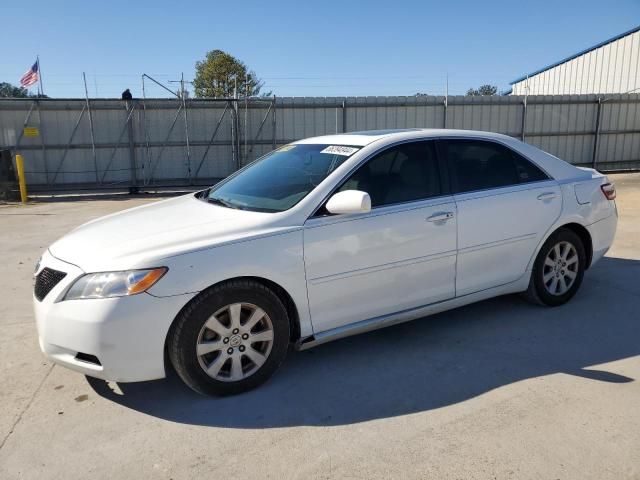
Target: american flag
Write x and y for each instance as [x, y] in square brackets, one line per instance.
[31, 76]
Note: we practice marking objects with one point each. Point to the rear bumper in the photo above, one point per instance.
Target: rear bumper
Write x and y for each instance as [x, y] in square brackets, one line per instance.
[126, 334]
[602, 233]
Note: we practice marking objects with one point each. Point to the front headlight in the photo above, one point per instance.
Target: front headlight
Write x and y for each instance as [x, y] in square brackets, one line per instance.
[114, 284]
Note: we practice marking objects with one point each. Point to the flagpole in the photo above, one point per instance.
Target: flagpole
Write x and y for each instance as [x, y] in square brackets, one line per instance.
[40, 88]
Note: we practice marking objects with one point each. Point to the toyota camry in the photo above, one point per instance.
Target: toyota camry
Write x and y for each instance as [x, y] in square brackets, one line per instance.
[320, 239]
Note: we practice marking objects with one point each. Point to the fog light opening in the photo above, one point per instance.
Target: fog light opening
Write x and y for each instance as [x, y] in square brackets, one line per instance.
[85, 357]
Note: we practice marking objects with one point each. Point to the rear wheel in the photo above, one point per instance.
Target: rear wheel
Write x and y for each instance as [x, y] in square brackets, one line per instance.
[230, 339]
[558, 269]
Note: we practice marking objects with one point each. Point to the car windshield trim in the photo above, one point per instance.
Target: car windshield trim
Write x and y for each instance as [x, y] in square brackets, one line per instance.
[222, 202]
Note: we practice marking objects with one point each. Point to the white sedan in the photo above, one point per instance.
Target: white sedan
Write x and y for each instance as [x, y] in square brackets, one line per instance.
[321, 239]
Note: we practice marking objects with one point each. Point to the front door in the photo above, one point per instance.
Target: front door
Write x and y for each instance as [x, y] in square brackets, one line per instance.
[399, 256]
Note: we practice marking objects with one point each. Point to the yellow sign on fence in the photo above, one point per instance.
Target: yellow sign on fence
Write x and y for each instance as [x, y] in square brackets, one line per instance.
[31, 131]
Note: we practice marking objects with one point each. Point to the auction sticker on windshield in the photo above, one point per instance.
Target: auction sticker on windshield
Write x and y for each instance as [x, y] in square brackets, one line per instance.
[340, 150]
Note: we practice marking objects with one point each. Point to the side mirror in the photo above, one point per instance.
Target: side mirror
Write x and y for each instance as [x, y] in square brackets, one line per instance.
[349, 201]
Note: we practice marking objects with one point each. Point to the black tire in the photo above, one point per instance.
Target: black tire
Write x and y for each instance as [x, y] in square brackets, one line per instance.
[184, 334]
[537, 292]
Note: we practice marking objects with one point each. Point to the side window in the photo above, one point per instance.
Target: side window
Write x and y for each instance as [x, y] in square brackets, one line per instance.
[479, 165]
[403, 173]
[527, 171]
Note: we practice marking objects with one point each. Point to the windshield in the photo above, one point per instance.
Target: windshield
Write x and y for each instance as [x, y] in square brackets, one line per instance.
[281, 179]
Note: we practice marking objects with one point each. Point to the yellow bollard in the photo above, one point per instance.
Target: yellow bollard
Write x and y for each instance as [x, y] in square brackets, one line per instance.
[21, 180]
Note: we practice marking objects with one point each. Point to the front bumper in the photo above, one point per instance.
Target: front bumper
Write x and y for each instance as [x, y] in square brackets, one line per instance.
[126, 334]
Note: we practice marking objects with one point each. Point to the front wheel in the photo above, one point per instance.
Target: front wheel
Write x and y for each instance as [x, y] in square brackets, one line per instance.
[230, 339]
[558, 269]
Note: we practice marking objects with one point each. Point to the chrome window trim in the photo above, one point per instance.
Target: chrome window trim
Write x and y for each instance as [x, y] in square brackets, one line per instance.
[506, 189]
[319, 221]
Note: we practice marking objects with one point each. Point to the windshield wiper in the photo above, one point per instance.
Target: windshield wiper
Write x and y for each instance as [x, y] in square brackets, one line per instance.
[221, 201]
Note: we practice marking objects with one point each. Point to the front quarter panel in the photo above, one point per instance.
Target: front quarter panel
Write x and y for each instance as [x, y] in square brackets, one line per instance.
[277, 258]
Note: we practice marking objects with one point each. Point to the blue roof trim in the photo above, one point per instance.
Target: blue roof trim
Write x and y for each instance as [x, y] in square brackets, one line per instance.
[601, 44]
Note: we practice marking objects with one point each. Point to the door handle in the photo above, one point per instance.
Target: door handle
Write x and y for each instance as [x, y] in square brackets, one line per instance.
[440, 216]
[547, 196]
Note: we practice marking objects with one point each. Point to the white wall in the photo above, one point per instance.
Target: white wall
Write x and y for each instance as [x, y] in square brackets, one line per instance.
[612, 68]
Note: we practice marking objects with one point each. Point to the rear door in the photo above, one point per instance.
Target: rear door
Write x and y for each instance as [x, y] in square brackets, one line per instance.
[505, 205]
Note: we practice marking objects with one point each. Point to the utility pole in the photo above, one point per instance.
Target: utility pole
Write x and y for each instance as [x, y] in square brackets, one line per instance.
[446, 100]
[93, 141]
[40, 87]
[183, 97]
[246, 117]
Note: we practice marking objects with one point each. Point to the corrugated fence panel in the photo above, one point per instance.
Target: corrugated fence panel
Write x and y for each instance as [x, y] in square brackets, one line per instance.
[151, 148]
[496, 114]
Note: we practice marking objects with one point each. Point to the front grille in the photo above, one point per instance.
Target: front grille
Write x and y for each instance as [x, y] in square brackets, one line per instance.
[45, 281]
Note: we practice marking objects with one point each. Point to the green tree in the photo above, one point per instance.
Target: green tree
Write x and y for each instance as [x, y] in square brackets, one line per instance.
[219, 74]
[11, 91]
[482, 90]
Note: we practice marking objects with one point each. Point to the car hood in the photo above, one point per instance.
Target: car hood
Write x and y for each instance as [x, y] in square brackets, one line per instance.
[142, 236]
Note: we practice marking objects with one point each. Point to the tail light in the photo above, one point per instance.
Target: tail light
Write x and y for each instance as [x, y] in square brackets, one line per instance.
[609, 191]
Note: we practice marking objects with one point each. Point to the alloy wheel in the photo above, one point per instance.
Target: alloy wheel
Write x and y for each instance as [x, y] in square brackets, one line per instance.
[235, 342]
[560, 268]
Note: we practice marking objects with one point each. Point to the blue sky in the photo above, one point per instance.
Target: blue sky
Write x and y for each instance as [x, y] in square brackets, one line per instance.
[302, 48]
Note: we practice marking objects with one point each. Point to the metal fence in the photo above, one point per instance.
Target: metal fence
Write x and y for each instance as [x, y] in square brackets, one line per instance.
[72, 143]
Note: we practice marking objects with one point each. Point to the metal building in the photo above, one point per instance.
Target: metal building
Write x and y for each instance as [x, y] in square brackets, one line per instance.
[609, 67]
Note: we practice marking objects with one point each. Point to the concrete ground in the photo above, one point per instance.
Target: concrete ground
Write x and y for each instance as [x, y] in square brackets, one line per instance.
[500, 389]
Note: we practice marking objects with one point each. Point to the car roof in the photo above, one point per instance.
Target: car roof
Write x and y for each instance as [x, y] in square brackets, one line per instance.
[366, 137]
[558, 169]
